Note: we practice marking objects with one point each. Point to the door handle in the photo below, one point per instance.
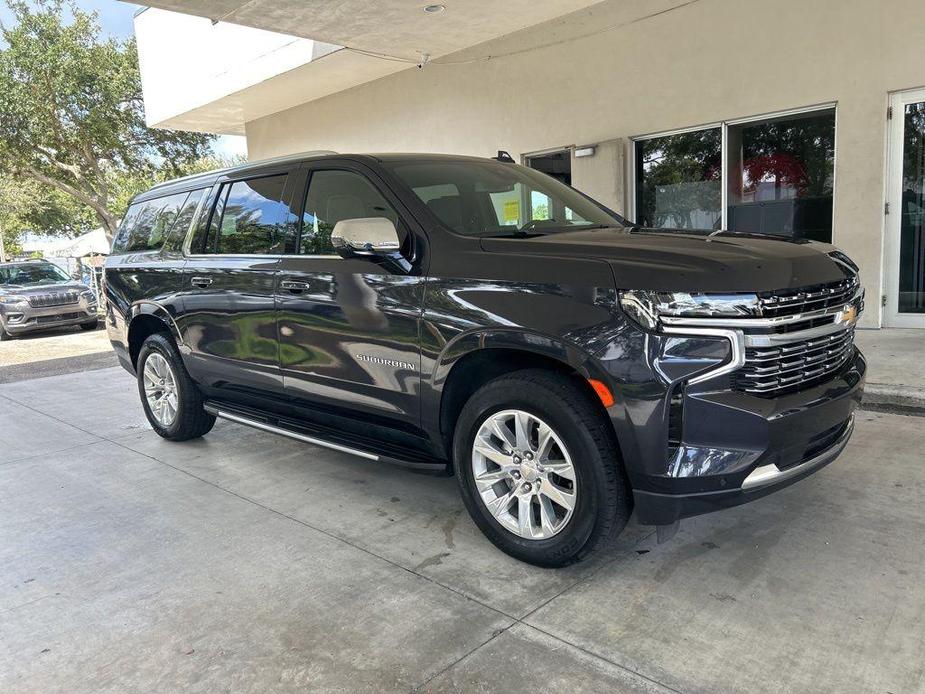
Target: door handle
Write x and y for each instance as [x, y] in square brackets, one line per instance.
[201, 281]
[294, 286]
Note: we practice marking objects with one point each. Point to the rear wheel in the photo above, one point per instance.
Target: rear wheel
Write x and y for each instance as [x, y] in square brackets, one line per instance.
[171, 401]
[538, 469]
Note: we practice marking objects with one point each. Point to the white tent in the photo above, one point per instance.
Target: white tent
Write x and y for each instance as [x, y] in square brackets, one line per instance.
[93, 242]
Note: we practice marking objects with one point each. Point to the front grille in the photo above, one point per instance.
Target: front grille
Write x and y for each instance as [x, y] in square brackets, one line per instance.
[41, 320]
[53, 299]
[772, 371]
[789, 302]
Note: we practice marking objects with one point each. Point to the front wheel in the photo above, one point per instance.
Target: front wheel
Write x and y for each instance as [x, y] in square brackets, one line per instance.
[538, 468]
[90, 325]
[171, 401]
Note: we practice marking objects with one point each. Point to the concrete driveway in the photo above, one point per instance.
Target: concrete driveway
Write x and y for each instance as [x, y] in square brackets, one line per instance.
[249, 563]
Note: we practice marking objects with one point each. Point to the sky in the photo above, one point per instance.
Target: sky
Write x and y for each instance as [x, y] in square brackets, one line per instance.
[115, 19]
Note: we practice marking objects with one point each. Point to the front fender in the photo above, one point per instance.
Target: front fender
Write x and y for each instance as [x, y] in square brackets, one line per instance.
[511, 339]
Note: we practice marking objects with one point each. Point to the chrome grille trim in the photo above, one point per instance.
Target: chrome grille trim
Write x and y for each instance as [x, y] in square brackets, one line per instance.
[54, 299]
[809, 299]
[795, 306]
[787, 352]
[770, 371]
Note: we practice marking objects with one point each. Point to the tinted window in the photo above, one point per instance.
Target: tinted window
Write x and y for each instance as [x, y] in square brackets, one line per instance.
[332, 197]
[252, 218]
[679, 180]
[485, 197]
[28, 274]
[183, 220]
[147, 224]
[781, 173]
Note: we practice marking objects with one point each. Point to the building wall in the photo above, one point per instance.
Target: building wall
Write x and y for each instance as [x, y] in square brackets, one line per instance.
[705, 62]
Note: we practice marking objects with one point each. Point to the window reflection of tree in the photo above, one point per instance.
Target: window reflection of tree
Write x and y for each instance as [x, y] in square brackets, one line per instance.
[689, 165]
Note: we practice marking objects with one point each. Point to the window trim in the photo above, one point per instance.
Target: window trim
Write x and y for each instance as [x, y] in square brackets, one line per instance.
[724, 139]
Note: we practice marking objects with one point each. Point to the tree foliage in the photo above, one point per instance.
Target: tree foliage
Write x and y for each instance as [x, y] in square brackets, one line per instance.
[71, 111]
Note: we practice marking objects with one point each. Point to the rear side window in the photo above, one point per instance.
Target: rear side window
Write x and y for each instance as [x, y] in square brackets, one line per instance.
[334, 196]
[146, 225]
[251, 217]
[183, 220]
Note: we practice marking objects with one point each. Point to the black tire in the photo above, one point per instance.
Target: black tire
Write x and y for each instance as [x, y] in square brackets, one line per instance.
[4, 335]
[603, 501]
[90, 325]
[191, 420]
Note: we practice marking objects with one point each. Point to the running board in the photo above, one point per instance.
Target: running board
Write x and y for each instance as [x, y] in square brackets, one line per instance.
[222, 413]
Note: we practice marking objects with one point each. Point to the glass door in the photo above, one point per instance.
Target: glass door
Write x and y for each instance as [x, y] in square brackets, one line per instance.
[905, 291]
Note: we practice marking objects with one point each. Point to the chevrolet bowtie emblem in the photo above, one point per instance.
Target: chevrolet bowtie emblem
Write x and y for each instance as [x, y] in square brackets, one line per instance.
[849, 314]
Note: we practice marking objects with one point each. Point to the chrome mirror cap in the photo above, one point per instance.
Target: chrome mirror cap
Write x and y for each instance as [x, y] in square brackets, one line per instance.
[366, 236]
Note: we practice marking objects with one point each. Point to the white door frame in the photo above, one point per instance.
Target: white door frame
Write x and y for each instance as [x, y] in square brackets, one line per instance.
[892, 318]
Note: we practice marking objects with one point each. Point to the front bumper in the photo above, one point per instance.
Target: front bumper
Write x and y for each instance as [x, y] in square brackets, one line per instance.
[737, 447]
[18, 319]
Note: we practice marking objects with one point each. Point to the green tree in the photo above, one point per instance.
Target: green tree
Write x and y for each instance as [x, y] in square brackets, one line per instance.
[26, 205]
[71, 111]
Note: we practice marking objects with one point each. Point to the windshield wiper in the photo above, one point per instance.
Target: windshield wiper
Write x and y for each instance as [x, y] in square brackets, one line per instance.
[515, 233]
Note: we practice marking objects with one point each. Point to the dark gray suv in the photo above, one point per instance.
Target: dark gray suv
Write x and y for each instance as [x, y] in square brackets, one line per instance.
[477, 317]
[36, 295]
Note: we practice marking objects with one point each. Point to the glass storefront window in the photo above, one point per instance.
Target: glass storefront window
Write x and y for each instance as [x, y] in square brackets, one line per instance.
[912, 212]
[780, 174]
[679, 179]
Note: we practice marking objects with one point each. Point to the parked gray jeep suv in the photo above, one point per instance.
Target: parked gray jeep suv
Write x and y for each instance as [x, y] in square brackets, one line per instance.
[36, 294]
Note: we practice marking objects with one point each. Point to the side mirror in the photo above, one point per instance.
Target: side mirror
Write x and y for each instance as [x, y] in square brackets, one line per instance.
[365, 236]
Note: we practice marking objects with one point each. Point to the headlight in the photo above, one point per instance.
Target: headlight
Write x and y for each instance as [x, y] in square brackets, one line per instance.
[646, 307]
[9, 299]
[88, 295]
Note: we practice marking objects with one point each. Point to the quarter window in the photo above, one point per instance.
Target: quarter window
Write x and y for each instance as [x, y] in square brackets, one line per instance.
[146, 225]
[333, 196]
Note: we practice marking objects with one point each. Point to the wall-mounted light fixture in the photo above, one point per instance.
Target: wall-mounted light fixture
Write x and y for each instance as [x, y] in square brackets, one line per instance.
[433, 9]
[585, 151]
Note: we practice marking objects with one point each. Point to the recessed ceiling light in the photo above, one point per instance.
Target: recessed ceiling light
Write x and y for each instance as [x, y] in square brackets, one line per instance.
[433, 9]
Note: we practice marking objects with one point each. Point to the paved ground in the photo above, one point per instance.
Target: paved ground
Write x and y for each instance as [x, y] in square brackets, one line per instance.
[54, 352]
[249, 563]
[895, 368]
[53, 344]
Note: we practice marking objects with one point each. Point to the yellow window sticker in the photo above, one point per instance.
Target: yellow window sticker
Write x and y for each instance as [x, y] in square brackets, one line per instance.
[511, 211]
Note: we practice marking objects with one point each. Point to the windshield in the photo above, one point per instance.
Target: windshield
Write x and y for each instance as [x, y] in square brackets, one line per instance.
[32, 274]
[489, 198]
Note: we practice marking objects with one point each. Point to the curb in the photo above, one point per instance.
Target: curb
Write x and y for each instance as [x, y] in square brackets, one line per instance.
[884, 396]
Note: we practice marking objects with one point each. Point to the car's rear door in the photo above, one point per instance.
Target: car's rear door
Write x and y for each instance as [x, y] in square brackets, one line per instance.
[348, 327]
[228, 321]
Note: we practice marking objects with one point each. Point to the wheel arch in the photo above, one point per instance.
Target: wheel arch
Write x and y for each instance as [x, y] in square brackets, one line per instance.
[471, 361]
[147, 318]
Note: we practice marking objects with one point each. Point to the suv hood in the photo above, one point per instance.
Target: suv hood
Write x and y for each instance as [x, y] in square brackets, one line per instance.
[51, 288]
[680, 261]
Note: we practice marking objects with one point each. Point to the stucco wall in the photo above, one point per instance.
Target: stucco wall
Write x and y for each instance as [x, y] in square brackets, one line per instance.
[708, 61]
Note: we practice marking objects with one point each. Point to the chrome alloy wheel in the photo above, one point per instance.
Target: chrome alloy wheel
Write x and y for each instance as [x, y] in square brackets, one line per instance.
[160, 389]
[524, 474]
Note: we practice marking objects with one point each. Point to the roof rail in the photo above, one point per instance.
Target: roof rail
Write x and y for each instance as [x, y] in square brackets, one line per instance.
[249, 164]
